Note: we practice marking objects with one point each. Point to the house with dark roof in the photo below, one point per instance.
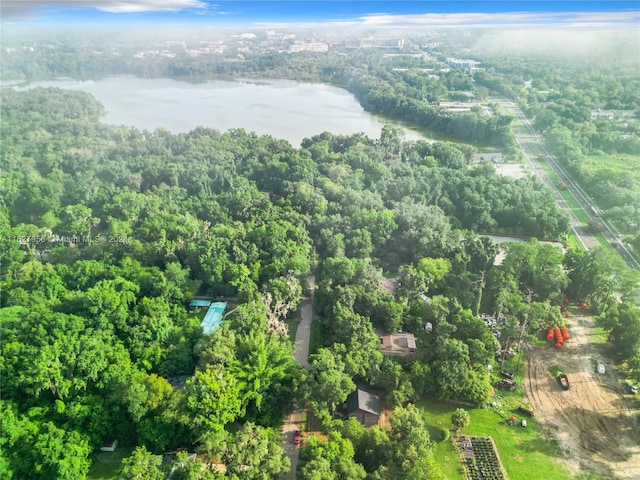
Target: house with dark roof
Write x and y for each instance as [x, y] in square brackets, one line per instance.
[364, 407]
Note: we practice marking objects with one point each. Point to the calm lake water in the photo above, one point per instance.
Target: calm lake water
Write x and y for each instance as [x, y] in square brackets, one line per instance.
[281, 108]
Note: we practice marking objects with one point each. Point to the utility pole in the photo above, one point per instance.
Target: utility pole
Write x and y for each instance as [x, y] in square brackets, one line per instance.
[525, 324]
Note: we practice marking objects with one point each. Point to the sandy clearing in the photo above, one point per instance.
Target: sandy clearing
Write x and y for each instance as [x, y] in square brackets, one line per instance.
[592, 421]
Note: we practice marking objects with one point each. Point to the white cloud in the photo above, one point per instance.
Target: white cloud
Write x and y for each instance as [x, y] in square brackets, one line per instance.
[129, 6]
[13, 10]
[450, 19]
[507, 19]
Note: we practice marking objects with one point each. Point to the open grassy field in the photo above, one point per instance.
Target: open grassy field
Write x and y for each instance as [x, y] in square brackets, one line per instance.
[616, 163]
[106, 464]
[525, 453]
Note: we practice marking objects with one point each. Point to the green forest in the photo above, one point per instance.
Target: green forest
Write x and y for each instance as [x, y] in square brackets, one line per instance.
[108, 233]
[585, 105]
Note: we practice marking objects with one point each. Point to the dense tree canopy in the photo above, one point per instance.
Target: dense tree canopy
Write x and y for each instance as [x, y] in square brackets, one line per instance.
[108, 232]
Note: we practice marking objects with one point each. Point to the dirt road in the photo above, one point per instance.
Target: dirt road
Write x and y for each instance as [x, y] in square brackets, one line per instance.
[592, 421]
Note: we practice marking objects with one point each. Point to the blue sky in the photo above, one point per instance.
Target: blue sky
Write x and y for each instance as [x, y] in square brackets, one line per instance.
[336, 13]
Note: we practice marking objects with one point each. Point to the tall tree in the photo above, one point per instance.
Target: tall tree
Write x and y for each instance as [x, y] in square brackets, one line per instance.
[599, 274]
[253, 453]
[214, 397]
[460, 418]
[329, 382]
[262, 369]
[412, 447]
[32, 448]
[142, 464]
[333, 457]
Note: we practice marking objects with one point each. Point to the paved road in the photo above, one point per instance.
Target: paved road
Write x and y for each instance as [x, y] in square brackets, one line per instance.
[303, 334]
[293, 421]
[533, 148]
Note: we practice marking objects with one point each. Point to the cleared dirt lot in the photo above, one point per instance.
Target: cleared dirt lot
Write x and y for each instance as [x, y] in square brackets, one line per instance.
[592, 421]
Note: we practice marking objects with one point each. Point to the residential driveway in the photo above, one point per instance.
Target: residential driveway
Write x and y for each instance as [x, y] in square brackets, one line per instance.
[303, 333]
[292, 423]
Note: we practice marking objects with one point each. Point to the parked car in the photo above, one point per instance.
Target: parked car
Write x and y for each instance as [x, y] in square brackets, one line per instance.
[296, 437]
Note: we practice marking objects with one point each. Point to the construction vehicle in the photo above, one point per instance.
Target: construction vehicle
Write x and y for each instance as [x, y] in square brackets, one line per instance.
[564, 381]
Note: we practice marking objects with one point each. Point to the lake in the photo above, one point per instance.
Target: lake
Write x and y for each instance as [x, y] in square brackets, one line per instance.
[281, 108]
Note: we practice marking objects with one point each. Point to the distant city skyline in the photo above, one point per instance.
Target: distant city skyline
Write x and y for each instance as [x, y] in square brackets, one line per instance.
[353, 14]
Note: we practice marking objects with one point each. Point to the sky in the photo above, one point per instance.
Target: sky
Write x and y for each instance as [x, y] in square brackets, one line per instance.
[335, 13]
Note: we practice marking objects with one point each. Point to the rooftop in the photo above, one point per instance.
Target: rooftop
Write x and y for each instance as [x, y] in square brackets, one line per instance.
[365, 401]
[199, 302]
[213, 317]
[400, 343]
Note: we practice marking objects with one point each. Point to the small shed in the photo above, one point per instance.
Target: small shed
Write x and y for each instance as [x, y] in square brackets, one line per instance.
[199, 303]
[364, 407]
[109, 445]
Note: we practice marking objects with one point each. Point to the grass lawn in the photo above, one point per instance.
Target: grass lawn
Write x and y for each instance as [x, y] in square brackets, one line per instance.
[106, 464]
[573, 242]
[444, 453]
[524, 452]
[391, 274]
[554, 370]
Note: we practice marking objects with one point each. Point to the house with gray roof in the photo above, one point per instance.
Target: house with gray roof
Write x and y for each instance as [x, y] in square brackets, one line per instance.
[364, 407]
